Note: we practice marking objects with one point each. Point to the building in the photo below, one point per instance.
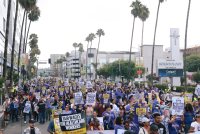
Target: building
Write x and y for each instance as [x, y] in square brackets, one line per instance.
[56, 68]
[146, 53]
[193, 50]
[3, 17]
[104, 57]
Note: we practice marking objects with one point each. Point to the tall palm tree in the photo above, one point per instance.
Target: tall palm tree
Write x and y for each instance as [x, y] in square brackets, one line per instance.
[88, 41]
[6, 39]
[13, 43]
[33, 16]
[152, 61]
[186, 29]
[136, 7]
[91, 38]
[27, 5]
[81, 50]
[75, 45]
[144, 14]
[99, 33]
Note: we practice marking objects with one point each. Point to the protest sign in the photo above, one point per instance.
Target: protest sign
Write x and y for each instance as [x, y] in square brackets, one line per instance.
[37, 95]
[188, 98]
[177, 105]
[121, 131]
[27, 107]
[78, 98]
[61, 90]
[43, 89]
[141, 111]
[73, 123]
[91, 98]
[106, 98]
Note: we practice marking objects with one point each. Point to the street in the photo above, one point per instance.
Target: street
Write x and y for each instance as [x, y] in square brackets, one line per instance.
[15, 128]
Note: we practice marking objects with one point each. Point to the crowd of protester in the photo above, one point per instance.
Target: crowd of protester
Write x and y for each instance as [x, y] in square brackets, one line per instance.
[39, 98]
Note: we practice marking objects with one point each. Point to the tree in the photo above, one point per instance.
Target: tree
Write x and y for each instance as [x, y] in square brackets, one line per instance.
[144, 14]
[192, 63]
[154, 39]
[75, 45]
[136, 9]
[196, 77]
[33, 16]
[13, 43]
[88, 41]
[91, 38]
[27, 5]
[99, 33]
[6, 40]
[115, 69]
[186, 29]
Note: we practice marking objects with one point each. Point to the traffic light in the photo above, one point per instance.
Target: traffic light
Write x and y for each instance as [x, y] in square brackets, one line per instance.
[49, 61]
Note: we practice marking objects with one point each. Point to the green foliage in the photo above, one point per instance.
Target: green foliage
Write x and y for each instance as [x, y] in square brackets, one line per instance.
[192, 63]
[27, 4]
[100, 32]
[136, 5]
[161, 86]
[178, 88]
[34, 14]
[15, 78]
[117, 68]
[196, 77]
[144, 13]
[1, 82]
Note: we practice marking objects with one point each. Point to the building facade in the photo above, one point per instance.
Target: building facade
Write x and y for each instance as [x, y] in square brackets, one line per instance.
[3, 17]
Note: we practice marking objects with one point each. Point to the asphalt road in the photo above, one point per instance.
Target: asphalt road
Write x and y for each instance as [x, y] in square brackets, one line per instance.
[18, 127]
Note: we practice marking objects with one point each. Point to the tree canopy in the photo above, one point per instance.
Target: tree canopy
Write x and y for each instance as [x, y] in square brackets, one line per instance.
[192, 63]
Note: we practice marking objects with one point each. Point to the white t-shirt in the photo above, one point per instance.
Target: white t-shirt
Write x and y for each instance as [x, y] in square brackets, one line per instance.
[143, 131]
[196, 126]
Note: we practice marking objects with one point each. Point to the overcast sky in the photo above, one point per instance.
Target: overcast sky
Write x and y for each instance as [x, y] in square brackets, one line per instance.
[64, 22]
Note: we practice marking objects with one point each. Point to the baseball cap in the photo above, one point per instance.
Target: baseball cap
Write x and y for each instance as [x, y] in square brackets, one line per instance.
[31, 121]
[145, 119]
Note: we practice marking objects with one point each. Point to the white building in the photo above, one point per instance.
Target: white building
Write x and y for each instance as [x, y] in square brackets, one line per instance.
[3, 17]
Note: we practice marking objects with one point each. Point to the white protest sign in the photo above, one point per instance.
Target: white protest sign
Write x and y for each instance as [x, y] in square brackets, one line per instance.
[27, 107]
[78, 98]
[120, 131]
[177, 105]
[89, 84]
[37, 95]
[91, 98]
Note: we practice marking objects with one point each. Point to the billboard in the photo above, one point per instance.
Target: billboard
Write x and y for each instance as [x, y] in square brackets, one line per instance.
[170, 68]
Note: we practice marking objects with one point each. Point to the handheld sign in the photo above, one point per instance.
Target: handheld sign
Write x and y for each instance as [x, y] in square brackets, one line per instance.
[106, 98]
[141, 111]
[73, 123]
[27, 107]
[91, 98]
[177, 105]
[78, 98]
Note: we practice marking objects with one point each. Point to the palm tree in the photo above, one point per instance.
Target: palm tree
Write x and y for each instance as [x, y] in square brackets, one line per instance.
[186, 29]
[33, 16]
[6, 40]
[13, 44]
[91, 38]
[144, 14]
[75, 45]
[152, 62]
[81, 50]
[27, 5]
[136, 7]
[99, 33]
[88, 40]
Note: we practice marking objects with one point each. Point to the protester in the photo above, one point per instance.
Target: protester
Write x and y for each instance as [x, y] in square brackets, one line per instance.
[32, 129]
[145, 129]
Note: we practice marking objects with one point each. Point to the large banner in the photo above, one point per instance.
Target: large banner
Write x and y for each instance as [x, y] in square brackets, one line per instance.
[177, 105]
[78, 98]
[73, 123]
[91, 98]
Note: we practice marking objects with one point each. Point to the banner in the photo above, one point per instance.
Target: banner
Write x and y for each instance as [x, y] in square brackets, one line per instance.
[27, 107]
[78, 98]
[73, 123]
[106, 98]
[141, 111]
[91, 98]
[188, 98]
[177, 105]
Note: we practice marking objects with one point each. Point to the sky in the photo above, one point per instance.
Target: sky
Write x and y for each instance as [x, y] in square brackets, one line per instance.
[64, 22]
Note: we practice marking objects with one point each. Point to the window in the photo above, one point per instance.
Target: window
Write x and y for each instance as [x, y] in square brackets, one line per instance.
[4, 24]
[4, 3]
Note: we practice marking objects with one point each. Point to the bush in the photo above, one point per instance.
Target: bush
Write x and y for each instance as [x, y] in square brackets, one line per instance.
[178, 88]
[161, 87]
